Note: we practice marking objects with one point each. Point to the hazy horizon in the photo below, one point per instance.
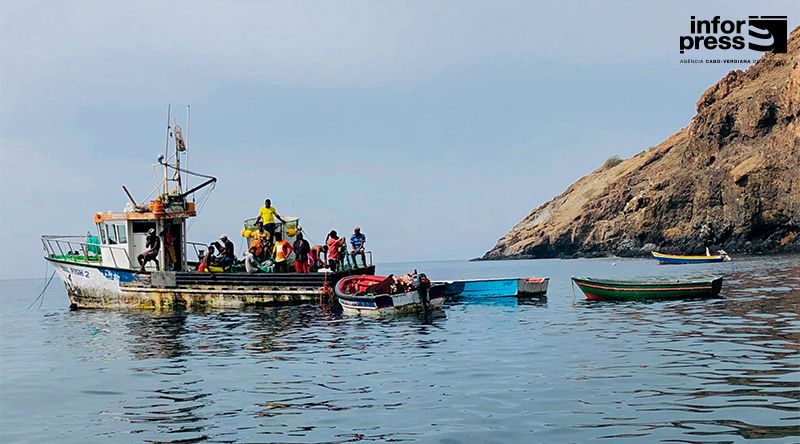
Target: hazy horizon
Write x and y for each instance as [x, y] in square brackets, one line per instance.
[434, 126]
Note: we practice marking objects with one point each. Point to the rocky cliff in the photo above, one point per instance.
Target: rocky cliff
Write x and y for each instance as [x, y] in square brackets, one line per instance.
[730, 179]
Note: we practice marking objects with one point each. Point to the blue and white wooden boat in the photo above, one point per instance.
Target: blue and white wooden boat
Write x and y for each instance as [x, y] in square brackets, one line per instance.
[497, 287]
[679, 259]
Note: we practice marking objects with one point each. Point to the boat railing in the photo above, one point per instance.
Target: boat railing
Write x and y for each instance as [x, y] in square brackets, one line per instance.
[352, 262]
[290, 223]
[199, 249]
[79, 249]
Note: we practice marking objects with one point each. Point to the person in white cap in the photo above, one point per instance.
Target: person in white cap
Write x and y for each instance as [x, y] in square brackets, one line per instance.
[357, 242]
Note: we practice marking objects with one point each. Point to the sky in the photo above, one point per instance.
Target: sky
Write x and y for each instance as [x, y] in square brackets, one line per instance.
[434, 125]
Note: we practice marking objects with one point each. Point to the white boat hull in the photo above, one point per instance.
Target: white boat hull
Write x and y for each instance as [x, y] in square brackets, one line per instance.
[96, 286]
[93, 286]
[401, 303]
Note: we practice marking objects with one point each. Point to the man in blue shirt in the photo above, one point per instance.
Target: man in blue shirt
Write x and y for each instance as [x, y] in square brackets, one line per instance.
[357, 241]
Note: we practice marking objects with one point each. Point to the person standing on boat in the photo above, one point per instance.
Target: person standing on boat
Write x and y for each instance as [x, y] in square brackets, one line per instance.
[280, 253]
[315, 257]
[334, 244]
[264, 247]
[266, 218]
[301, 253]
[152, 245]
[170, 257]
[227, 253]
[357, 241]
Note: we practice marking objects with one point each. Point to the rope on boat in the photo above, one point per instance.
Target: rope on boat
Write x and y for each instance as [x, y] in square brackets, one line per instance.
[202, 203]
[42, 293]
[573, 290]
[326, 290]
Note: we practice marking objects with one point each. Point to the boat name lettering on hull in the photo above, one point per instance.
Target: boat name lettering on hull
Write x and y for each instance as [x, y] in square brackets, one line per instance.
[76, 271]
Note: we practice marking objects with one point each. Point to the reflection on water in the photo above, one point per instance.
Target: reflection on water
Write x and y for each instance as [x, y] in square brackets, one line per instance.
[549, 369]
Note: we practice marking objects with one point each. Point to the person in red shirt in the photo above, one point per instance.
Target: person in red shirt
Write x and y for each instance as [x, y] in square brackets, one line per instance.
[207, 260]
[315, 258]
[280, 254]
[335, 244]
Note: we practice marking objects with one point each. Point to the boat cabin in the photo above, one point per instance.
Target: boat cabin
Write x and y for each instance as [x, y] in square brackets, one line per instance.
[122, 235]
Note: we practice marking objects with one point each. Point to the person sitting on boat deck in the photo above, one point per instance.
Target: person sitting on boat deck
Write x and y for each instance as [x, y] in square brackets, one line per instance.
[217, 251]
[357, 241]
[335, 244]
[208, 259]
[151, 245]
[255, 254]
[227, 253]
[301, 253]
[280, 254]
[266, 218]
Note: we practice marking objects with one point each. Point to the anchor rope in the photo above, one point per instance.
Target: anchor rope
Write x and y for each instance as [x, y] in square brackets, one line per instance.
[42, 293]
[326, 290]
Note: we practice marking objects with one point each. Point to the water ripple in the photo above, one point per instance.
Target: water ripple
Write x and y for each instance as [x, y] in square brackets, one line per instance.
[547, 370]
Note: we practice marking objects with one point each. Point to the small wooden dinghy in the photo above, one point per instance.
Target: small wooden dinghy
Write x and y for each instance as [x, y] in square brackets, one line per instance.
[608, 289]
[499, 287]
[678, 259]
[370, 295]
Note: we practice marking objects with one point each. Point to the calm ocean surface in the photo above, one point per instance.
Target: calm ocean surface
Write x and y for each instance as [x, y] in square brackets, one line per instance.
[558, 370]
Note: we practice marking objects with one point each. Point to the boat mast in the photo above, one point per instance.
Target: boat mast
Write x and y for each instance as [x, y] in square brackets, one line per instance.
[166, 152]
[186, 144]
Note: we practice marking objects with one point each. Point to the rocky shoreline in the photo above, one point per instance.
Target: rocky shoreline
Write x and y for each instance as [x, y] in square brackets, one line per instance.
[729, 180]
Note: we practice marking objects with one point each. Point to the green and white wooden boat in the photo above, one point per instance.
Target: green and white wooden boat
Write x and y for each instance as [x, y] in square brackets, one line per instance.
[640, 290]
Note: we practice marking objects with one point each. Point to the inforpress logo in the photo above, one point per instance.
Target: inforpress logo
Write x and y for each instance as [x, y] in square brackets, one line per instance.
[760, 33]
[767, 26]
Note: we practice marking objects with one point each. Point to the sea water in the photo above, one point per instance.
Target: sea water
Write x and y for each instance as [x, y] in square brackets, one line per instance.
[558, 369]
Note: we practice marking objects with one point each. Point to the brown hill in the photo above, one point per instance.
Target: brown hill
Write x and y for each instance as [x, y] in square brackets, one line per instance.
[731, 180]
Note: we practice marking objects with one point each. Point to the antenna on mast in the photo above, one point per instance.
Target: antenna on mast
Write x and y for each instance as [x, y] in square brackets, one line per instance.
[180, 147]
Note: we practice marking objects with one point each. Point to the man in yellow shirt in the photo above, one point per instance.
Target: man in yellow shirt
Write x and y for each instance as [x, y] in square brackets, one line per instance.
[266, 219]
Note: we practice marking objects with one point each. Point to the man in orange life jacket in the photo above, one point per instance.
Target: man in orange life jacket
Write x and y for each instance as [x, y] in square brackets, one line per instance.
[255, 253]
[280, 253]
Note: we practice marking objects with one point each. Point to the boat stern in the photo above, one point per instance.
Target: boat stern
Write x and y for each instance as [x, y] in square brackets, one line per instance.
[528, 287]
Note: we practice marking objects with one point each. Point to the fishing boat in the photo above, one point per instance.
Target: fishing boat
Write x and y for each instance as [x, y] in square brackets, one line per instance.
[497, 287]
[102, 271]
[679, 259]
[385, 295]
[631, 290]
